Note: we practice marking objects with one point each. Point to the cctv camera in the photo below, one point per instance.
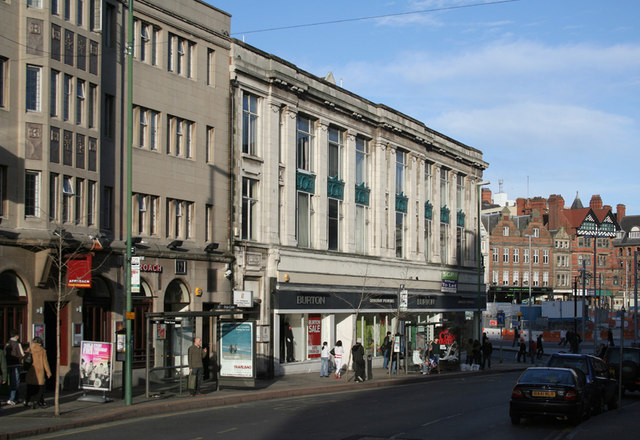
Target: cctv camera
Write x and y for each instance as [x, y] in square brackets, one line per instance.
[228, 273]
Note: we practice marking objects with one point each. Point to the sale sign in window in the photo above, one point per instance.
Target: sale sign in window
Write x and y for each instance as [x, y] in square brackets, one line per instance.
[315, 336]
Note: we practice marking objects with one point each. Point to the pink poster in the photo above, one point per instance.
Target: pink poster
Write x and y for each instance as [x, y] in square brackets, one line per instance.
[95, 365]
[315, 336]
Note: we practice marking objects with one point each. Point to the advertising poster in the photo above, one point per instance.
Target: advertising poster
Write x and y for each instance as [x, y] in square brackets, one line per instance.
[236, 349]
[95, 366]
[38, 330]
[314, 336]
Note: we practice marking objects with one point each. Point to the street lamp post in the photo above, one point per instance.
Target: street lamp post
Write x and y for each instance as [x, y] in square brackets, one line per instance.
[530, 308]
[584, 294]
[575, 305]
[592, 227]
[595, 296]
[479, 185]
[128, 364]
[635, 298]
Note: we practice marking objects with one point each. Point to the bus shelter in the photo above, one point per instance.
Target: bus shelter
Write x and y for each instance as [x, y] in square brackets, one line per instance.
[418, 335]
[170, 334]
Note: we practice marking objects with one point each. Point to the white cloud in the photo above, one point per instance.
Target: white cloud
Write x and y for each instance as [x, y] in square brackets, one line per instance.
[513, 60]
[547, 128]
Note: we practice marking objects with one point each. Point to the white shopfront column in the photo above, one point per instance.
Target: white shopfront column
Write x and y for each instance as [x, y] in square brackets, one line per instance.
[328, 329]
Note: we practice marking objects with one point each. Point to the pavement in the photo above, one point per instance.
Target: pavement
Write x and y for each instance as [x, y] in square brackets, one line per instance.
[19, 421]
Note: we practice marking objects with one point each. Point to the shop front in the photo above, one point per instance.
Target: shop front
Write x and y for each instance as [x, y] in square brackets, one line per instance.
[306, 316]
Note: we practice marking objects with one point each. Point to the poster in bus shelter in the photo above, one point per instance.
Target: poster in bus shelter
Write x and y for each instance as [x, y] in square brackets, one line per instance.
[236, 349]
[95, 365]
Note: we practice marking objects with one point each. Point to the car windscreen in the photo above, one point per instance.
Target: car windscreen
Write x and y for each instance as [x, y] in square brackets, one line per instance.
[551, 377]
[567, 362]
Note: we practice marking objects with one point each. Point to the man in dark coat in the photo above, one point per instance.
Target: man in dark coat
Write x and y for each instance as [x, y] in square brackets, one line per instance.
[195, 355]
[4, 374]
[386, 350]
[15, 354]
[357, 351]
[486, 349]
[522, 352]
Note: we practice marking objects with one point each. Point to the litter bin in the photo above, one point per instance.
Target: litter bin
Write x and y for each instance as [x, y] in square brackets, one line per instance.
[369, 368]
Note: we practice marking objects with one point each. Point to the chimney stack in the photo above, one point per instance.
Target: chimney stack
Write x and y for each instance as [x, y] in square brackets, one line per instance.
[556, 206]
[621, 211]
[522, 206]
[486, 196]
[596, 202]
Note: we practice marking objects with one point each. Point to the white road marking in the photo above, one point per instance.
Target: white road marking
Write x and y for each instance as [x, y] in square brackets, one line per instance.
[441, 419]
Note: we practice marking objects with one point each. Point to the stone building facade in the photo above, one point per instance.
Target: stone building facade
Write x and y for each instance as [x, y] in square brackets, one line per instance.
[339, 204]
[63, 166]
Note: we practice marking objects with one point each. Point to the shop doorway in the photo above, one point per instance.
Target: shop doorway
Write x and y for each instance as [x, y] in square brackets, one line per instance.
[13, 306]
[96, 312]
[142, 305]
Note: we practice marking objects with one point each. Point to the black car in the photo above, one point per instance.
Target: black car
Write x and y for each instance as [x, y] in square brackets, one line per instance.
[553, 392]
[601, 385]
[630, 366]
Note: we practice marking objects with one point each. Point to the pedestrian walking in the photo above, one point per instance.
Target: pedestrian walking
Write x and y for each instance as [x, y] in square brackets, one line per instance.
[434, 353]
[610, 337]
[14, 354]
[532, 349]
[522, 351]
[469, 351]
[337, 356]
[357, 352]
[516, 336]
[195, 354]
[486, 349]
[4, 373]
[539, 349]
[574, 342]
[386, 350]
[477, 352]
[36, 374]
[563, 337]
[324, 360]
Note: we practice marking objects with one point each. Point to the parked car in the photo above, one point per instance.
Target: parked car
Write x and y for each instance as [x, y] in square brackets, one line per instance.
[554, 392]
[601, 385]
[630, 366]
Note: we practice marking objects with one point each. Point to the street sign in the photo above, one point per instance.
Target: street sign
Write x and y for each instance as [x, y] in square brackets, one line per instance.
[404, 300]
[225, 307]
[135, 274]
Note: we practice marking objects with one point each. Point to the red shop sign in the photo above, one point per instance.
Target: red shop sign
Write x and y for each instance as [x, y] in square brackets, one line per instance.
[79, 272]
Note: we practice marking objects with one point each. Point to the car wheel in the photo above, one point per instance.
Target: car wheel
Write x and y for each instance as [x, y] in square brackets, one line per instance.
[575, 420]
[613, 403]
[515, 420]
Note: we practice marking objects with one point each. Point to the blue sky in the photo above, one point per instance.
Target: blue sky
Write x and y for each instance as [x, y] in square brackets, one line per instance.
[548, 90]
